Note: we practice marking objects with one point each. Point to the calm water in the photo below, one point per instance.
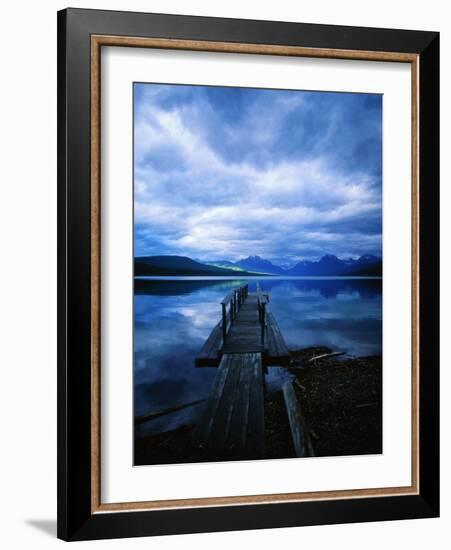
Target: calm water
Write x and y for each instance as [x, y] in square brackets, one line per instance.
[174, 316]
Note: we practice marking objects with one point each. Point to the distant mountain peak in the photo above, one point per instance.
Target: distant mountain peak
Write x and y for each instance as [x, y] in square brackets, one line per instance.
[368, 258]
[331, 265]
[330, 259]
[258, 264]
[255, 257]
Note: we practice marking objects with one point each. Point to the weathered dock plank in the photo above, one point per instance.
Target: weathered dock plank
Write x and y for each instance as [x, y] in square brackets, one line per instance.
[277, 352]
[232, 423]
[256, 425]
[244, 334]
[208, 356]
[299, 433]
[240, 417]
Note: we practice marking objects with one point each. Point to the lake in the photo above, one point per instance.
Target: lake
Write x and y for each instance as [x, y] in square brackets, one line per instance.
[174, 315]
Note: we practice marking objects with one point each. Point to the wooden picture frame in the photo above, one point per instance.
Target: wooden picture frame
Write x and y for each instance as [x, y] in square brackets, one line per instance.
[81, 35]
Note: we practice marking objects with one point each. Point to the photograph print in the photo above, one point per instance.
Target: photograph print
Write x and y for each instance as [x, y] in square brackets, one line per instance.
[257, 273]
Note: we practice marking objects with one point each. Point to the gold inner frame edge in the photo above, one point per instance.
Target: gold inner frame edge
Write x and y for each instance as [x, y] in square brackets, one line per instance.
[97, 41]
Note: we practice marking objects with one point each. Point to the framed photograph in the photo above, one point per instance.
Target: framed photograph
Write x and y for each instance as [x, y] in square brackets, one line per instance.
[248, 274]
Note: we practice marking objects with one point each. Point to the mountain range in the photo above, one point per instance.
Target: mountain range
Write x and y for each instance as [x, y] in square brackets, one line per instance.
[179, 266]
[328, 265]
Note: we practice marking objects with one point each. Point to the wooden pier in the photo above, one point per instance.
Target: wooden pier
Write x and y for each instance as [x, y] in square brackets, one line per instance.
[232, 422]
[246, 326]
[245, 341]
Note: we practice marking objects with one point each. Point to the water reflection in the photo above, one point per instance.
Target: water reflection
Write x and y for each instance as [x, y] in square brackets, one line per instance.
[174, 317]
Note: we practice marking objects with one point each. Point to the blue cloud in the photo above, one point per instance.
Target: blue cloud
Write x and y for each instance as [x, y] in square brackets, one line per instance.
[227, 172]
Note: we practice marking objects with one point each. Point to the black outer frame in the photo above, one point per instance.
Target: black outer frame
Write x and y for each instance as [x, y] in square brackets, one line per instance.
[75, 520]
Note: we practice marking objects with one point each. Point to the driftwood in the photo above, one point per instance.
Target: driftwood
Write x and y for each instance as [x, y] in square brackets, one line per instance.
[313, 434]
[324, 355]
[163, 412]
[299, 385]
[300, 435]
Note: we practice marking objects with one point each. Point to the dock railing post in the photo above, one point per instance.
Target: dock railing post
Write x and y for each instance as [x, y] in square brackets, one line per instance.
[262, 320]
[224, 323]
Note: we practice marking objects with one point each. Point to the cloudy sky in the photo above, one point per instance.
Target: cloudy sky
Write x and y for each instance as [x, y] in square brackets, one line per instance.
[224, 173]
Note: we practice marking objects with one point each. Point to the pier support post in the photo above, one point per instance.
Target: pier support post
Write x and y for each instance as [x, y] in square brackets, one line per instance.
[224, 323]
[262, 321]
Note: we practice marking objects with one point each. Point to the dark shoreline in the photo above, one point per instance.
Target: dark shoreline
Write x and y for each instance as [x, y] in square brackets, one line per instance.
[341, 401]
